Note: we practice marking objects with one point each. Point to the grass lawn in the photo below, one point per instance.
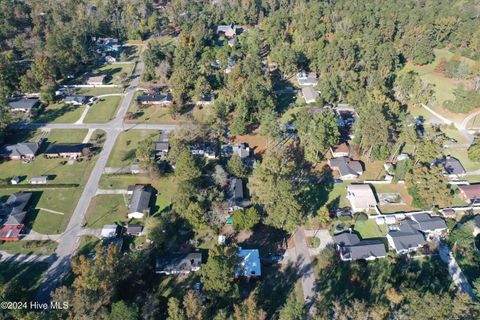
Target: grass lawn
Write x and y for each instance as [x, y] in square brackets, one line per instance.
[339, 195]
[151, 114]
[103, 110]
[474, 123]
[23, 277]
[373, 170]
[394, 188]
[29, 247]
[98, 91]
[370, 229]
[106, 209]
[164, 185]
[87, 244]
[123, 153]
[58, 113]
[113, 71]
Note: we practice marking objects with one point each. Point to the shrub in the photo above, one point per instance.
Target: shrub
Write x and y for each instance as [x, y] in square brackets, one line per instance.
[362, 217]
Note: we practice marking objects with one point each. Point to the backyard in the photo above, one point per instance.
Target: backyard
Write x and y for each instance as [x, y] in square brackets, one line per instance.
[103, 110]
[369, 229]
[394, 189]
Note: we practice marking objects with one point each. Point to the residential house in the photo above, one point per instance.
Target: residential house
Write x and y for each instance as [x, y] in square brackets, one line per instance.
[453, 168]
[340, 150]
[309, 95]
[347, 169]
[109, 230]
[110, 59]
[134, 229]
[15, 180]
[66, 150]
[361, 197]
[179, 263]
[160, 148]
[405, 237]
[236, 196]
[21, 150]
[75, 100]
[307, 79]
[207, 150]
[240, 149]
[429, 225]
[206, 100]
[39, 180]
[230, 66]
[155, 99]
[13, 213]
[249, 266]
[23, 104]
[470, 193]
[140, 203]
[351, 248]
[229, 30]
[96, 80]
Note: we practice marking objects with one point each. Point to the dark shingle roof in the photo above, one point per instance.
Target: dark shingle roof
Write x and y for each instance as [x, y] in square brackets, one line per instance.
[20, 149]
[14, 207]
[425, 222]
[56, 148]
[23, 103]
[407, 236]
[353, 248]
[454, 166]
[178, 263]
[346, 166]
[140, 200]
[155, 98]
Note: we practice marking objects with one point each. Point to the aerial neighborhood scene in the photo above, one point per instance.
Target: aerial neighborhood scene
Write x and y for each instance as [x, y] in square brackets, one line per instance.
[240, 159]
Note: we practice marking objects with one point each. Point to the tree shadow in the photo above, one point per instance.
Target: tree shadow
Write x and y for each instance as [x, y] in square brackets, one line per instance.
[48, 115]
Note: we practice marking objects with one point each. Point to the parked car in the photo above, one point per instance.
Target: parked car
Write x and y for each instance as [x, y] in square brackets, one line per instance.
[341, 212]
[277, 258]
[453, 140]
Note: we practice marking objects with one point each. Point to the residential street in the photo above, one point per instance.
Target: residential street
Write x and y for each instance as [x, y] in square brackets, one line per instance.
[69, 240]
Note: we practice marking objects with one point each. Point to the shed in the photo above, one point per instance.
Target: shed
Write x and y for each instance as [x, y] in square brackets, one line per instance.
[39, 180]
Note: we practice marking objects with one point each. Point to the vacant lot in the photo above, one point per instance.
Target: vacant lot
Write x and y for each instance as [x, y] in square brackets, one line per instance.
[123, 153]
[106, 209]
[113, 71]
[29, 247]
[103, 110]
[58, 113]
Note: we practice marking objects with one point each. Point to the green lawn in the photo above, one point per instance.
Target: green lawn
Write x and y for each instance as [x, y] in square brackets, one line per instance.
[98, 91]
[339, 195]
[113, 71]
[87, 244]
[103, 110]
[58, 113]
[370, 229]
[164, 185]
[106, 209]
[123, 153]
[29, 247]
[20, 280]
[462, 155]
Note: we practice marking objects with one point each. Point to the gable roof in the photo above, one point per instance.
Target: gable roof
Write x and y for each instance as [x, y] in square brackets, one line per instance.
[453, 166]
[140, 200]
[75, 99]
[406, 236]
[178, 263]
[23, 103]
[161, 146]
[425, 222]
[345, 166]
[471, 191]
[309, 94]
[155, 98]
[39, 178]
[354, 249]
[14, 207]
[20, 149]
[343, 148]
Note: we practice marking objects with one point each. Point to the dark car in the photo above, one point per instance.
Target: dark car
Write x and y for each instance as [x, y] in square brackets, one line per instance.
[453, 140]
[277, 258]
[341, 212]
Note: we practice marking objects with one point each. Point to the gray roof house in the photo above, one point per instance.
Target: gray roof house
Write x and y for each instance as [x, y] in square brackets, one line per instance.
[140, 203]
[75, 100]
[23, 104]
[161, 148]
[134, 229]
[236, 196]
[428, 224]
[240, 149]
[22, 150]
[406, 237]
[309, 94]
[178, 263]
[14, 208]
[155, 99]
[348, 169]
[229, 30]
[307, 79]
[351, 248]
[453, 168]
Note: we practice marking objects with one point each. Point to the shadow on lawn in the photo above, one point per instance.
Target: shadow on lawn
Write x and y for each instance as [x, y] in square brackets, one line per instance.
[48, 115]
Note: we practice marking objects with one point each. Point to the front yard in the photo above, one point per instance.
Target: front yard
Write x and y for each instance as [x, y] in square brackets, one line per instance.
[106, 209]
[58, 113]
[103, 110]
[29, 247]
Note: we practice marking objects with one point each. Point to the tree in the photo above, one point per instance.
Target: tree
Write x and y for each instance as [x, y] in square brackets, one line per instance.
[323, 215]
[474, 149]
[220, 176]
[293, 308]
[121, 310]
[155, 231]
[372, 130]
[428, 187]
[47, 92]
[245, 219]
[235, 166]
[193, 306]
[218, 273]
[175, 312]
[186, 168]
[249, 309]
[317, 133]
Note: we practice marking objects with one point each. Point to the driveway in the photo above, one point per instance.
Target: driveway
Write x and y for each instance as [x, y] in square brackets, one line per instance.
[325, 240]
[455, 271]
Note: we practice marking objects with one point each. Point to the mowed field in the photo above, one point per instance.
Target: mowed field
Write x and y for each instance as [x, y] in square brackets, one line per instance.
[103, 110]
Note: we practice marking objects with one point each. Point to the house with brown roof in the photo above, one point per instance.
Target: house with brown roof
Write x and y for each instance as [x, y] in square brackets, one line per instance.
[340, 150]
[470, 193]
[96, 80]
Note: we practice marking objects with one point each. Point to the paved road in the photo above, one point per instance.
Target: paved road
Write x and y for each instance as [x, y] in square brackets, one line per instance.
[306, 270]
[325, 240]
[455, 271]
[69, 240]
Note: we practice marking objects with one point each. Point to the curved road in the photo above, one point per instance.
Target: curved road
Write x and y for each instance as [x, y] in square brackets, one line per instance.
[68, 242]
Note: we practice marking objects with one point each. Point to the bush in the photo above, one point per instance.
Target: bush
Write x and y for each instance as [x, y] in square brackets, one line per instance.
[362, 217]
[245, 220]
